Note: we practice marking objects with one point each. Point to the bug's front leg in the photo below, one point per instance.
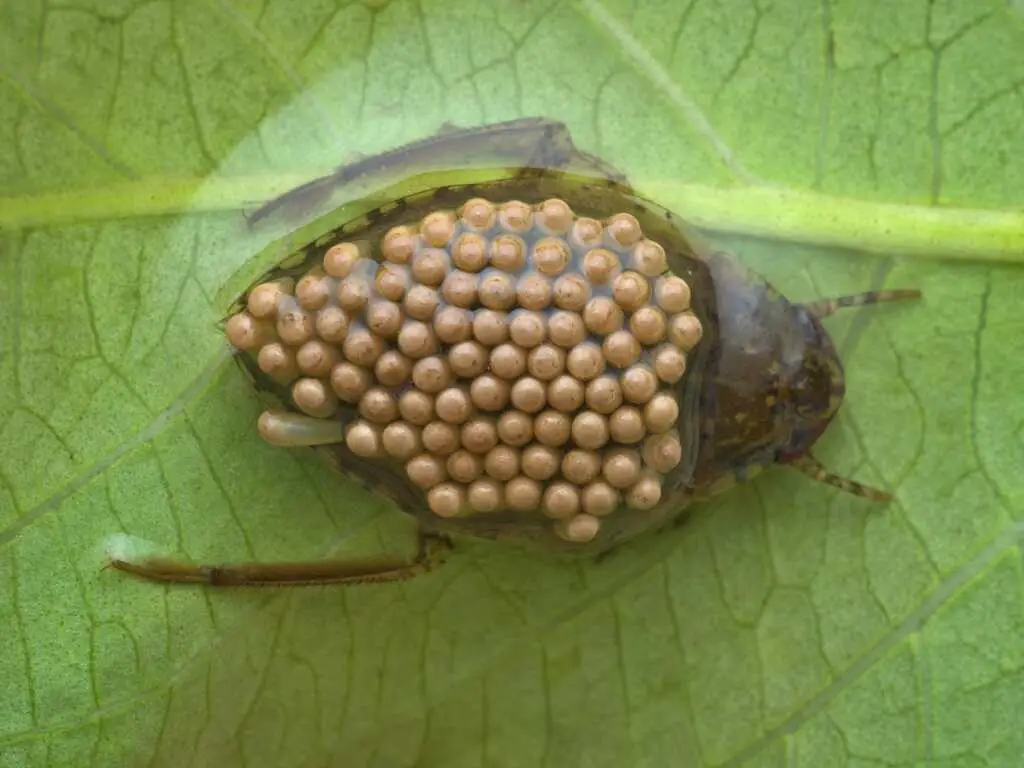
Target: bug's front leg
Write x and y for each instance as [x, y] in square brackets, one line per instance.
[432, 551]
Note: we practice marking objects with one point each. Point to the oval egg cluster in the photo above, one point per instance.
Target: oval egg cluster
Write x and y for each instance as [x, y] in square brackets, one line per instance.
[512, 357]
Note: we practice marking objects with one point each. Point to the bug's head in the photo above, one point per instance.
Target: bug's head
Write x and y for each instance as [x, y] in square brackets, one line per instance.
[812, 390]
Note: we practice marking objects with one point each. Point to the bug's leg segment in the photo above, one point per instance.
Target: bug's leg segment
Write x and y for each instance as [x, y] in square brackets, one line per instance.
[825, 307]
[433, 549]
[293, 430]
[813, 468]
[537, 143]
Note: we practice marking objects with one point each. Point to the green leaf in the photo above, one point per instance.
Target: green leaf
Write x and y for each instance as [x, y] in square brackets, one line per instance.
[787, 625]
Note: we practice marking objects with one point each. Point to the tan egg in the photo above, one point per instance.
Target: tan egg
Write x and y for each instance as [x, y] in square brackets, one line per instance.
[384, 319]
[527, 329]
[401, 440]
[669, 363]
[313, 290]
[391, 281]
[453, 405]
[399, 244]
[426, 471]
[468, 359]
[528, 394]
[430, 267]
[663, 452]
[453, 324]
[354, 293]
[316, 358]
[438, 228]
[552, 428]
[350, 381]
[631, 290]
[684, 331]
[601, 266]
[515, 216]
[554, 216]
[314, 398]
[364, 440]
[566, 329]
[672, 294]
[497, 290]
[546, 362]
[639, 383]
[550, 256]
[603, 316]
[540, 462]
[586, 232]
[645, 493]
[533, 291]
[508, 253]
[469, 253]
[479, 435]
[278, 361]
[515, 428]
[464, 466]
[485, 495]
[604, 394]
[332, 324]
[522, 494]
[432, 374]
[490, 328]
[440, 438]
[502, 462]
[340, 258]
[460, 289]
[581, 467]
[561, 500]
[572, 292]
[416, 407]
[264, 300]
[578, 529]
[599, 498]
[649, 325]
[590, 430]
[421, 302]
[447, 500]
[661, 413]
[565, 394]
[416, 340]
[621, 467]
[508, 361]
[478, 213]
[621, 349]
[627, 425]
[489, 393]
[362, 347]
[624, 229]
[585, 361]
[379, 406]
[295, 325]
[649, 258]
[392, 368]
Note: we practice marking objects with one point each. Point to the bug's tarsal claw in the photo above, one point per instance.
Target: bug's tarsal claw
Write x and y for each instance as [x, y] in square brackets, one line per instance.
[825, 307]
[814, 469]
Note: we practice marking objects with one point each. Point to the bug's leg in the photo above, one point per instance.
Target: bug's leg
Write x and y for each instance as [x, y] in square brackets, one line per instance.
[293, 430]
[825, 307]
[433, 548]
[814, 469]
[537, 143]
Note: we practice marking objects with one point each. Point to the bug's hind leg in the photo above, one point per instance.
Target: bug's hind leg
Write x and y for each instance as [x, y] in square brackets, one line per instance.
[814, 469]
[825, 307]
[432, 551]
